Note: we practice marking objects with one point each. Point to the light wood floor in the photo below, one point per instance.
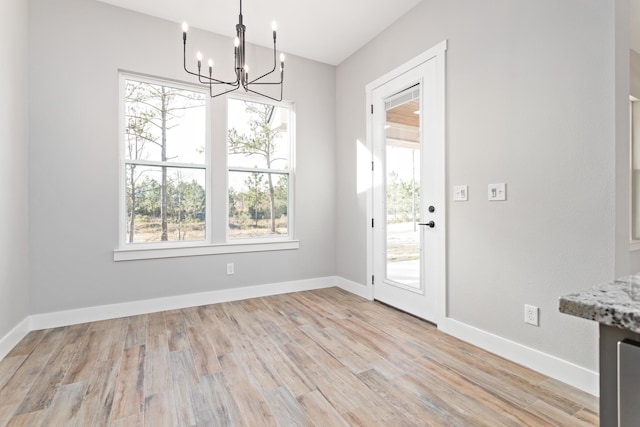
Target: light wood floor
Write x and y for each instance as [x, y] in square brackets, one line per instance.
[325, 358]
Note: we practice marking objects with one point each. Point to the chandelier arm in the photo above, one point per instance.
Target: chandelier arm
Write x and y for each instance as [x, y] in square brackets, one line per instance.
[271, 83]
[265, 95]
[275, 63]
[212, 81]
[267, 83]
[211, 94]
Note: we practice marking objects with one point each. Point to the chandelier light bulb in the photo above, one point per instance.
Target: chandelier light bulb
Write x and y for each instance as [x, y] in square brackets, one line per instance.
[199, 56]
[185, 27]
[282, 57]
[246, 69]
[236, 42]
[210, 63]
[274, 26]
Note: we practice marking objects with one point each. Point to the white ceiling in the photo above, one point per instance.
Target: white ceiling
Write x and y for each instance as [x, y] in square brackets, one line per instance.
[323, 30]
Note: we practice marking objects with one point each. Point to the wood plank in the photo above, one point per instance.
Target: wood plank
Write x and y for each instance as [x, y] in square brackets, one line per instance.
[217, 334]
[280, 367]
[157, 373]
[160, 410]
[189, 400]
[9, 366]
[581, 398]
[136, 331]
[15, 390]
[156, 324]
[112, 347]
[400, 398]
[128, 398]
[320, 410]
[327, 340]
[42, 391]
[361, 417]
[191, 317]
[224, 409]
[554, 415]
[588, 417]
[204, 353]
[98, 400]
[176, 330]
[136, 420]
[252, 406]
[157, 343]
[28, 343]
[286, 409]
[86, 357]
[30, 419]
[64, 409]
[260, 376]
[466, 397]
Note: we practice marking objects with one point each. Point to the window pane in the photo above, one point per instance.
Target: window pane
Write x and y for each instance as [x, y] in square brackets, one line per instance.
[184, 198]
[163, 123]
[258, 135]
[258, 204]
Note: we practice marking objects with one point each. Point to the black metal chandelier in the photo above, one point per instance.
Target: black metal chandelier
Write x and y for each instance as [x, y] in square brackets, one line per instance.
[241, 67]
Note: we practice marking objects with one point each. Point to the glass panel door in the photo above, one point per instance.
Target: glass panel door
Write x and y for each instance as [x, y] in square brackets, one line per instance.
[402, 185]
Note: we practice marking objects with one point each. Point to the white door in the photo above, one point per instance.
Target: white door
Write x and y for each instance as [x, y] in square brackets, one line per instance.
[408, 194]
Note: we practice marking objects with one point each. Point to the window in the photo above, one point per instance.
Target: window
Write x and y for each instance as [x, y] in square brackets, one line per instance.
[165, 165]
[259, 154]
[173, 202]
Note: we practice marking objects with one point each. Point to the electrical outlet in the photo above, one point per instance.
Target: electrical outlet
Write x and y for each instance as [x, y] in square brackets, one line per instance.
[531, 314]
[230, 268]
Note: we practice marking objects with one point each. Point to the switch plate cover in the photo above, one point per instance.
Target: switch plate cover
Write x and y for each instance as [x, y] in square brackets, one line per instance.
[460, 193]
[497, 192]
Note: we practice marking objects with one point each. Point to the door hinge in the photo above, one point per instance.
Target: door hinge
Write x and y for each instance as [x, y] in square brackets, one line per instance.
[372, 223]
[371, 108]
[372, 165]
[373, 279]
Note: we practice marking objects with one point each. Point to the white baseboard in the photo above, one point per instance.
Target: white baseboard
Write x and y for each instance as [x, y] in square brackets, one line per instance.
[13, 337]
[551, 366]
[112, 311]
[353, 287]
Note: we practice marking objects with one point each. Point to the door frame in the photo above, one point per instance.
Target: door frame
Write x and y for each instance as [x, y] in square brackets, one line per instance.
[436, 53]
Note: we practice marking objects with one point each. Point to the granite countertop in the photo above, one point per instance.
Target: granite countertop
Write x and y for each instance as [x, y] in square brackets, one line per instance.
[615, 303]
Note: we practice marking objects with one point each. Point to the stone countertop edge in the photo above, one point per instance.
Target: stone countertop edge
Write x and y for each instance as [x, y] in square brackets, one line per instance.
[614, 303]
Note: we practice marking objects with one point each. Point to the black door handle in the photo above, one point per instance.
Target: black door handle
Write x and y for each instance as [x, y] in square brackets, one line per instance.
[429, 224]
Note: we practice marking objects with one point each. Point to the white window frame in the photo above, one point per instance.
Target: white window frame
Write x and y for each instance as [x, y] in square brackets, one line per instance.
[290, 106]
[172, 249]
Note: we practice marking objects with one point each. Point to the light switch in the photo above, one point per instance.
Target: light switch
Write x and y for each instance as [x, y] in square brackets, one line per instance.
[460, 193]
[497, 192]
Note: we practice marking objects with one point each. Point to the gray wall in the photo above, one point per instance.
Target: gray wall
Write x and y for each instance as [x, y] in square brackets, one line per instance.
[14, 230]
[77, 48]
[530, 102]
[634, 67]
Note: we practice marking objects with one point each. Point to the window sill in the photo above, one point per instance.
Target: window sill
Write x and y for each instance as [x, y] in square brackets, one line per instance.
[634, 245]
[132, 254]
